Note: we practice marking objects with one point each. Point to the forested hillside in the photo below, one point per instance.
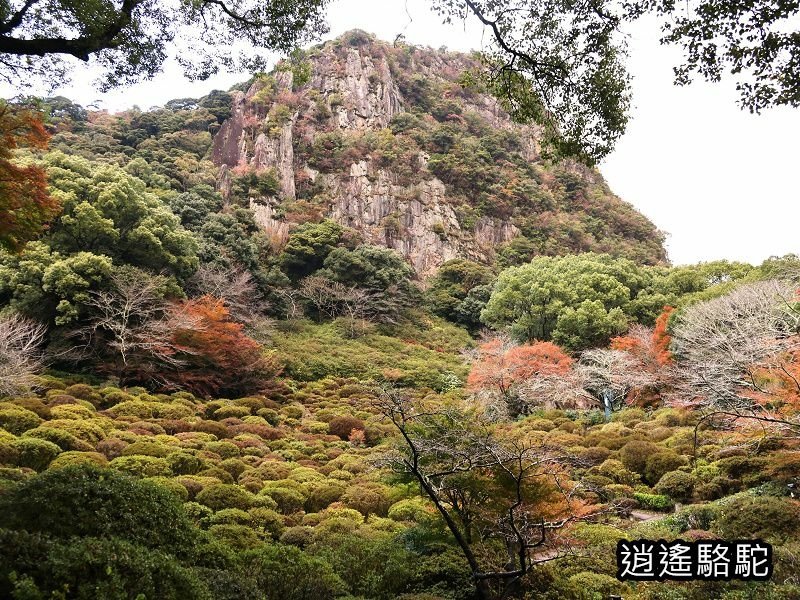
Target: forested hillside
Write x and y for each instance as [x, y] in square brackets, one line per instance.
[344, 331]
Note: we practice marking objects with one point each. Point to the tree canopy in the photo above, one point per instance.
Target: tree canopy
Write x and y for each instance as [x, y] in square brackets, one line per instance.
[560, 65]
[131, 39]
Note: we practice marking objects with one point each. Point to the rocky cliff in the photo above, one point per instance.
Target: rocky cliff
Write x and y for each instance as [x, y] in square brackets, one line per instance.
[390, 141]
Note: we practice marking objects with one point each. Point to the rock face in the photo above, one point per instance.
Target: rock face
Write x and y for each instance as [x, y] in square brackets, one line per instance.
[353, 88]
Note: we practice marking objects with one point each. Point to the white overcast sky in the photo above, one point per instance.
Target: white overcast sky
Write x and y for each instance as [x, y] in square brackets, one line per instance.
[721, 182]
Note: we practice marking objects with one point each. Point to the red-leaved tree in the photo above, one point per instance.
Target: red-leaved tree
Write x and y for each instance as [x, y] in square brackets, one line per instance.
[25, 205]
[501, 365]
[216, 356]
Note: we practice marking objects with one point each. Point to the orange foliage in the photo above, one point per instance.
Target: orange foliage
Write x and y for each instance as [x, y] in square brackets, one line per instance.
[661, 338]
[218, 357]
[500, 366]
[25, 205]
[652, 349]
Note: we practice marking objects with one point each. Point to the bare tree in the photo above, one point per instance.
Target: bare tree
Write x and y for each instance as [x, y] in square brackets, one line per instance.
[721, 344]
[487, 490]
[335, 299]
[233, 285]
[20, 356]
[132, 325]
[293, 301]
[554, 391]
[611, 376]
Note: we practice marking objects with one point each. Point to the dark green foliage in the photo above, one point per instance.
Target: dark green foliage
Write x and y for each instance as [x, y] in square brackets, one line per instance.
[115, 215]
[308, 247]
[109, 568]
[677, 485]
[195, 206]
[226, 239]
[459, 291]
[222, 496]
[287, 573]
[84, 500]
[577, 301]
[35, 453]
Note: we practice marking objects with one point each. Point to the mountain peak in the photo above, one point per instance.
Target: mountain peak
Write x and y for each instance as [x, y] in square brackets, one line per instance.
[392, 141]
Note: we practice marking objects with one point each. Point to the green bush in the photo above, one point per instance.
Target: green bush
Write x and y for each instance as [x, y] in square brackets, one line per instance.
[299, 535]
[766, 517]
[173, 486]
[34, 453]
[66, 459]
[288, 573]
[63, 439]
[653, 501]
[635, 453]
[87, 431]
[146, 448]
[323, 495]
[239, 537]
[594, 586]
[18, 420]
[142, 466]
[289, 501]
[184, 463]
[267, 521]
[661, 463]
[85, 500]
[677, 485]
[230, 516]
[220, 496]
[694, 517]
[108, 568]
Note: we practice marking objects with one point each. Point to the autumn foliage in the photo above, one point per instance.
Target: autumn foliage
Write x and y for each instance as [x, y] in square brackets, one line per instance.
[650, 347]
[500, 366]
[217, 356]
[25, 205]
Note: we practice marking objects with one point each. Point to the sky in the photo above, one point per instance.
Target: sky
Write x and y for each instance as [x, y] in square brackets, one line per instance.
[722, 183]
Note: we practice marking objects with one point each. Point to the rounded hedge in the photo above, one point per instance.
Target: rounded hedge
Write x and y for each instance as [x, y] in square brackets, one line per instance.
[87, 501]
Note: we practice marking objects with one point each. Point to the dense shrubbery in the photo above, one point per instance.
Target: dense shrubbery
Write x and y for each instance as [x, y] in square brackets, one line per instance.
[291, 505]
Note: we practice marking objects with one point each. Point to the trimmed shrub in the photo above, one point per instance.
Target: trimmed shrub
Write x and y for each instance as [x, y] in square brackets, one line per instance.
[220, 496]
[635, 453]
[239, 537]
[299, 535]
[146, 448]
[677, 485]
[184, 463]
[654, 501]
[766, 517]
[87, 431]
[368, 499]
[141, 466]
[63, 439]
[173, 486]
[66, 459]
[288, 573]
[230, 516]
[34, 453]
[267, 521]
[18, 420]
[108, 568]
[661, 463]
[288, 500]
